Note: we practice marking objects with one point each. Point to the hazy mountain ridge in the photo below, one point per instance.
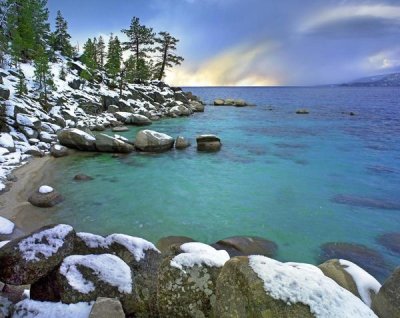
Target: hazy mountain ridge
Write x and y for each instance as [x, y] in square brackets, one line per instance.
[387, 80]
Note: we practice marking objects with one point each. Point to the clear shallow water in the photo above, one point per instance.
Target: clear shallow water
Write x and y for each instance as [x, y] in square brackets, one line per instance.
[275, 177]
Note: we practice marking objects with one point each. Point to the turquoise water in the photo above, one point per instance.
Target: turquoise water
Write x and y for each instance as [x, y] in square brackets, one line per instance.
[276, 176]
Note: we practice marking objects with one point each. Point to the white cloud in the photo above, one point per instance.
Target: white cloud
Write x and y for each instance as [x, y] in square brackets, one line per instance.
[383, 60]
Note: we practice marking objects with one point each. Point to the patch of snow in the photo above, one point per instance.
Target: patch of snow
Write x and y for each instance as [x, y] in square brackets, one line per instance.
[37, 309]
[44, 243]
[6, 141]
[83, 134]
[136, 245]
[157, 135]
[199, 254]
[108, 268]
[364, 281]
[3, 243]
[93, 240]
[5, 305]
[44, 189]
[298, 284]
[4, 151]
[6, 226]
[28, 121]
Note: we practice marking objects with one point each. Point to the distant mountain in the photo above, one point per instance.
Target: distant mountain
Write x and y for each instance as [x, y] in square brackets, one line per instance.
[388, 80]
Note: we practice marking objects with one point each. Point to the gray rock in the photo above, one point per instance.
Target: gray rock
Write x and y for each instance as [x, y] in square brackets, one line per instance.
[180, 97]
[140, 120]
[229, 102]
[75, 138]
[165, 243]
[120, 129]
[152, 141]
[58, 151]
[113, 109]
[45, 200]
[82, 177]
[34, 151]
[4, 92]
[219, 102]
[76, 83]
[27, 259]
[197, 106]
[107, 308]
[240, 103]
[386, 303]
[247, 245]
[105, 143]
[208, 143]
[302, 111]
[6, 141]
[181, 143]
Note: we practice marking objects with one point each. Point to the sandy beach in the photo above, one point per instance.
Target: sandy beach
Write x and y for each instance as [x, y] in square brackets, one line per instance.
[14, 204]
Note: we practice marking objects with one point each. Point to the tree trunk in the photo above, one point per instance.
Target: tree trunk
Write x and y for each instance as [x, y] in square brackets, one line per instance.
[160, 76]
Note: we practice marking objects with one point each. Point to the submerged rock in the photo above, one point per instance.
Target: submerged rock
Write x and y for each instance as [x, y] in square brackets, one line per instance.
[152, 141]
[365, 202]
[120, 129]
[247, 245]
[368, 259]
[353, 278]
[391, 241]
[83, 177]
[302, 111]
[27, 259]
[187, 281]
[257, 286]
[45, 197]
[387, 302]
[208, 143]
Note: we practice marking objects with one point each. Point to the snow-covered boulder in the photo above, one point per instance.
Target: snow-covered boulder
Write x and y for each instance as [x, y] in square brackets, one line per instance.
[208, 143]
[113, 109]
[45, 197]
[107, 308]
[139, 120]
[76, 138]
[247, 245]
[179, 110]
[27, 259]
[353, 278]
[152, 141]
[259, 286]
[28, 121]
[7, 142]
[58, 151]
[123, 117]
[105, 143]
[187, 281]
[387, 302]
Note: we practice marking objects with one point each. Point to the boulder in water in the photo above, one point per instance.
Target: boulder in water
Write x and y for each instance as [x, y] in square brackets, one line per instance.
[75, 138]
[208, 143]
[45, 197]
[181, 143]
[153, 141]
[58, 151]
[105, 143]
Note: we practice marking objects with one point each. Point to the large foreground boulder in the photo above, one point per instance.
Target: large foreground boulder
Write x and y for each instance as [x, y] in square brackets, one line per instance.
[208, 143]
[257, 286]
[76, 138]
[45, 197]
[353, 278]
[247, 245]
[105, 143]
[187, 281]
[107, 308]
[152, 141]
[387, 302]
[27, 259]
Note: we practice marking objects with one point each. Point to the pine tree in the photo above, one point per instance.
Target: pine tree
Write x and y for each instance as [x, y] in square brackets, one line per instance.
[114, 57]
[140, 39]
[101, 52]
[167, 58]
[62, 37]
[43, 76]
[89, 59]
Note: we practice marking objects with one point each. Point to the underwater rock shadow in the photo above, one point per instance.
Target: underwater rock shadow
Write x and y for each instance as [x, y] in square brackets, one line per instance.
[365, 202]
[391, 241]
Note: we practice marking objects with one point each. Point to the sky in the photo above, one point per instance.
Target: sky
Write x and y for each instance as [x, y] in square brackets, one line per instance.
[255, 42]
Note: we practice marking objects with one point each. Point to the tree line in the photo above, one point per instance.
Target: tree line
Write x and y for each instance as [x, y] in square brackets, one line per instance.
[25, 36]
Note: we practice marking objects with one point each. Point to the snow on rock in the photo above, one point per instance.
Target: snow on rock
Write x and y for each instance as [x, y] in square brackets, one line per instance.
[7, 142]
[3, 243]
[195, 253]
[364, 281]
[6, 226]
[44, 189]
[5, 305]
[108, 268]
[37, 309]
[303, 284]
[93, 240]
[28, 121]
[45, 243]
[136, 245]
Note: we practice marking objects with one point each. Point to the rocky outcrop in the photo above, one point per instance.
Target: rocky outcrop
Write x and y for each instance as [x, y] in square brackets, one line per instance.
[230, 102]
[27, 259]
[152, 141]
[105, 143]
[45, 197]
[208, 143]
[75, 138]
[386, 302]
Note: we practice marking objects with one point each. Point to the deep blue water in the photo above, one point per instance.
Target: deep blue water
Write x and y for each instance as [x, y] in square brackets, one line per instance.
[299, 180]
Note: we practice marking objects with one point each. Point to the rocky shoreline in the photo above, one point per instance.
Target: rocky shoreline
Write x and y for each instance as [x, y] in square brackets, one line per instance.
[55, 271]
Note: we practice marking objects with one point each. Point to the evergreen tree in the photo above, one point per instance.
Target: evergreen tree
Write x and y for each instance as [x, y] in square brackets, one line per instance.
[114, 57]
[140, 39]
[101, 52]
[167, 58]
[43, 76]
[89, 59]
[62, 37]
[21, 86]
